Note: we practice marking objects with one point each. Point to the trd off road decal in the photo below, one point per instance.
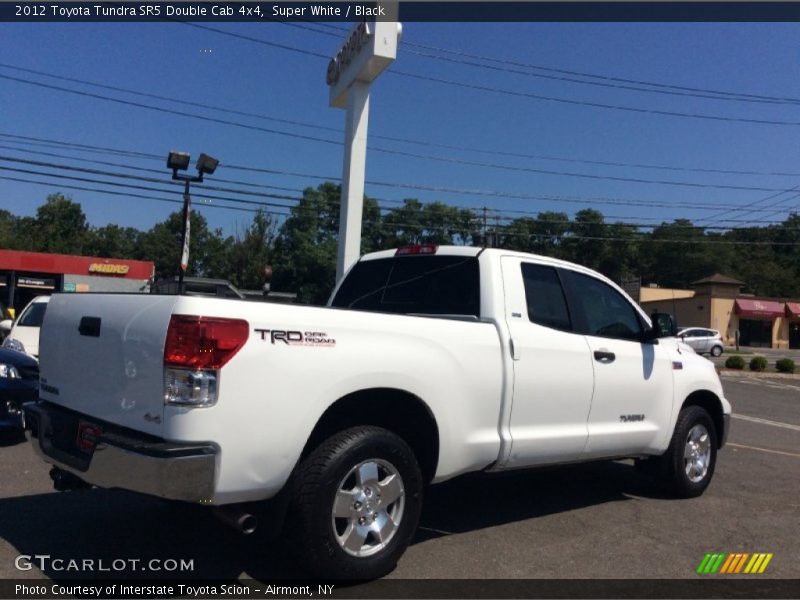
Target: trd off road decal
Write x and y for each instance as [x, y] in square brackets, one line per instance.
[318, 339]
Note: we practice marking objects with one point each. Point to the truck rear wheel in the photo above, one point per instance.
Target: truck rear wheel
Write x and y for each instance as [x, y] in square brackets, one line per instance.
[689, 462]
[355, 504]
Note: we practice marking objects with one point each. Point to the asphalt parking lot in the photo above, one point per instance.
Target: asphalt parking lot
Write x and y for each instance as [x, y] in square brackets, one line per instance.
[591, 521]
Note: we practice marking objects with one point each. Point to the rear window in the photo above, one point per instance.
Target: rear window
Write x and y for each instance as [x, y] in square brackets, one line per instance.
[33, 315]
[429, 285]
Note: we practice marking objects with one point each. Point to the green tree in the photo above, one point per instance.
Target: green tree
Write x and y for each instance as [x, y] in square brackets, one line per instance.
[307, 241]
[432, 223]
[8, 230]
[60, 226]
[113, 241]
[586, 243]
[162, 245]
[251, 252]
[305, 249]
[541, 235]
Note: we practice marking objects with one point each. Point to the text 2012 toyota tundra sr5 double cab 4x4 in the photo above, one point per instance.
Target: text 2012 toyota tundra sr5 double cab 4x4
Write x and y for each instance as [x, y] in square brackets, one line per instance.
[429, 362]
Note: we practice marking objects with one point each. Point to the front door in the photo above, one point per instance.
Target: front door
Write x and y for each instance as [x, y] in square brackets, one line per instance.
[633, 382]
[553, 374]
[794, 335]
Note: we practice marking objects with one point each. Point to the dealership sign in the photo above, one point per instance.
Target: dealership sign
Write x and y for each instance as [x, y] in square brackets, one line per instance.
[367, 51]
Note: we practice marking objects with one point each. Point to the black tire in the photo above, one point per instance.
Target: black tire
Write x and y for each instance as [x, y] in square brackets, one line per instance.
[716, 351]
[312, 531]
[675, 472]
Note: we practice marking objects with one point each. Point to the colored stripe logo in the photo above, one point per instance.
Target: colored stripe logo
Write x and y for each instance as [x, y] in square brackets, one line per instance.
[737, 562]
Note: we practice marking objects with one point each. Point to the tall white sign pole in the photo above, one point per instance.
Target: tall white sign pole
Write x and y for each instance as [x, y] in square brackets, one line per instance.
[368, 50]
[353, 175]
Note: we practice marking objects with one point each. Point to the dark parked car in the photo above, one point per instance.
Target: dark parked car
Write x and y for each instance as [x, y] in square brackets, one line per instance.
[19, 382]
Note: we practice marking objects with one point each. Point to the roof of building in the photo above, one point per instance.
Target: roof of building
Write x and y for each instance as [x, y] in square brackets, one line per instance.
[718, 278]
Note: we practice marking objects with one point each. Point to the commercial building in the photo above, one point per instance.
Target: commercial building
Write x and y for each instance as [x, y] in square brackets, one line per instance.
[24, 275]
[717, 302]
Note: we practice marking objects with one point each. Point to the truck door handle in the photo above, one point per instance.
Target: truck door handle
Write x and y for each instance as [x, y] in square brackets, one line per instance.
[604, 356]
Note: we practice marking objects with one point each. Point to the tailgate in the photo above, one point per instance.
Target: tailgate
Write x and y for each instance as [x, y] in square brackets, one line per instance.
[103, 355]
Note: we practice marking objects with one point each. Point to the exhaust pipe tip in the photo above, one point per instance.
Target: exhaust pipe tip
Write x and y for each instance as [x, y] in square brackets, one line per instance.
[242, 521]
[248, 523]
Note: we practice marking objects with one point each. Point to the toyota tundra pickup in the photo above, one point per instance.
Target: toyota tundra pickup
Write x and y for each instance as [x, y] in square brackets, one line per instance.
[428, 362]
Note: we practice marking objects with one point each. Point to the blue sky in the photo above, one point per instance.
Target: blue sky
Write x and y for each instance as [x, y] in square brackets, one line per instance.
[183, 62]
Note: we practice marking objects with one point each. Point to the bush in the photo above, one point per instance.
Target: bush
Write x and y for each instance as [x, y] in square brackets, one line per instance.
[734, 362]
[785, 365]
[758, 363]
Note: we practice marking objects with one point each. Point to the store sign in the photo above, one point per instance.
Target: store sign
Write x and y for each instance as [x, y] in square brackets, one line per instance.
[35, 282]
[69, 287]
[108, 269]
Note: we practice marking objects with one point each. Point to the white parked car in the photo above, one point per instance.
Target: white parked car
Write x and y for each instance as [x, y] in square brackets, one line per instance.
[428, 362]
[24, 334]
[702, 340]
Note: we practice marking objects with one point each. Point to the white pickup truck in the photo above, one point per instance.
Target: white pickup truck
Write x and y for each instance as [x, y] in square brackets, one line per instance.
[428, 362]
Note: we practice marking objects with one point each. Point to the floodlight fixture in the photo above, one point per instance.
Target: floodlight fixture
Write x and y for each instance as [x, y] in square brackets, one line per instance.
[206, 165]
[178, 161]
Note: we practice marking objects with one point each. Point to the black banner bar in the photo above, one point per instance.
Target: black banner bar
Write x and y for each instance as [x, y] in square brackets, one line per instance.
[712, 587]
[456, 11]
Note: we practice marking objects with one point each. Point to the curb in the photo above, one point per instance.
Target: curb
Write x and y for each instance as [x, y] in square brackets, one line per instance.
[757, 374]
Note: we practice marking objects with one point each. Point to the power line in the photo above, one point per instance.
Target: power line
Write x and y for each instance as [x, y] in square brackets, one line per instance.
[445, 159]
[702, 92]
[518, 93]
[271, 204]
[394, 138]
[501, 231]
[144, 169]
[143, 188]
[650, 111]
[440, 189]
[134, 195]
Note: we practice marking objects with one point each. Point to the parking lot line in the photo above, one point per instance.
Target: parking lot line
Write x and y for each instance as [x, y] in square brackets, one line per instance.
[767, 422]
[732, 445]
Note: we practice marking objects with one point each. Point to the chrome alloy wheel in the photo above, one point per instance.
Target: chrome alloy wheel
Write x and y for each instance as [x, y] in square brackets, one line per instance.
[368, 507]
[697, 453]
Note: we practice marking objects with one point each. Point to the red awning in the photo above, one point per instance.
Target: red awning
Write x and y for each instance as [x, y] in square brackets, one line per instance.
[758, 308]
[793, 309]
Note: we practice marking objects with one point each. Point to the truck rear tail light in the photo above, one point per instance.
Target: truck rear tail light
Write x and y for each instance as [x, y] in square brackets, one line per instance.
[417, 249]
[190, 388]
[203, 342]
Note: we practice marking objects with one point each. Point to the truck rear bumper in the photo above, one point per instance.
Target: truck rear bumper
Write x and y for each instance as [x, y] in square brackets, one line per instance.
[109, 456]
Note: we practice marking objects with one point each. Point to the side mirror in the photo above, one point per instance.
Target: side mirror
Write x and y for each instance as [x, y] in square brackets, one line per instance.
[663, 325]
[5, 326]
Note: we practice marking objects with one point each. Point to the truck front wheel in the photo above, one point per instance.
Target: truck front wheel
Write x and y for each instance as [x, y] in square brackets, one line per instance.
[355, 504]
[688, 464]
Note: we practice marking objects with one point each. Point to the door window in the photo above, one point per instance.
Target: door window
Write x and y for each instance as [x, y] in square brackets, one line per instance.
[546, 302]
[603, 310]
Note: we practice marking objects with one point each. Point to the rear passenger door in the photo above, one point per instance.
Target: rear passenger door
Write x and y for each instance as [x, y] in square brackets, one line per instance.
[633, 382]
[553, 376]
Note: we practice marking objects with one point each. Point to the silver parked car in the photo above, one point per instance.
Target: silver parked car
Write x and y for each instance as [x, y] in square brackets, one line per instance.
[702, 340]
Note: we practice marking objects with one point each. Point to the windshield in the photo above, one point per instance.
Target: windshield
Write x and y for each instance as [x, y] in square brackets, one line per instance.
[429, 285]
[33, 315]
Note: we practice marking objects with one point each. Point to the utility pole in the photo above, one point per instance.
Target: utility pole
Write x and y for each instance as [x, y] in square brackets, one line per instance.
[485, 239]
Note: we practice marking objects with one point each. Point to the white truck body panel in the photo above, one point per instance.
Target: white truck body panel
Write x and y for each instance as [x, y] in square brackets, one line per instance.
[117, 377]
[504, 392]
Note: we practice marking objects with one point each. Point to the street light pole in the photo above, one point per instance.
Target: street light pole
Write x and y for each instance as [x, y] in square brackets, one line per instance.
[179, 161]
[187, 225]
